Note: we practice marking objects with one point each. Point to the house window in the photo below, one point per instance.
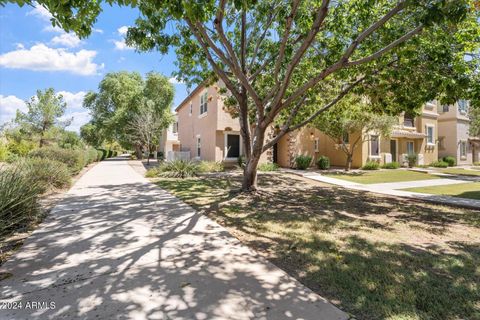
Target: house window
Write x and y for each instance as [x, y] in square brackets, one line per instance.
[346, 138]
[199, 147]
[374, 146]
[463, 149]
[203, 102]
[463, 106]
[430, 137]
[232, 145]
[410, 147]
[191, 108]
[315, 144]
[445, 108]
[408, 120]
[175, 127]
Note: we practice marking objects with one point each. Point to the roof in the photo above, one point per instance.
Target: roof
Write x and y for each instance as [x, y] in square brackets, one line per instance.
[189, 97]
[399, 133]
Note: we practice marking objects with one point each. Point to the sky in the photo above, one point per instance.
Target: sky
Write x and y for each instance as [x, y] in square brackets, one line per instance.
[34, 55]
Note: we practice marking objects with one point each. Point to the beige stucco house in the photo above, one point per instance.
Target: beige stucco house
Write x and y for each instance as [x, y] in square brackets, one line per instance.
[454, 138]
[205, 130]
[417, 135]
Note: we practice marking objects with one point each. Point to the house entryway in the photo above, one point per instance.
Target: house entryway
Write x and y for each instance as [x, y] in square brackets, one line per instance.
[393, 150]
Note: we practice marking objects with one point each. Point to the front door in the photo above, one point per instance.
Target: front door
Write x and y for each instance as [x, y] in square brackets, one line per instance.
[393, 149]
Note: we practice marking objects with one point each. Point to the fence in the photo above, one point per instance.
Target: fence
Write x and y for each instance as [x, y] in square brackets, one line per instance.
[178, 155]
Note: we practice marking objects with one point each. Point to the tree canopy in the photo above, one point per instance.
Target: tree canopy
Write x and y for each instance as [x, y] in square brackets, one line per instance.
[286, 62]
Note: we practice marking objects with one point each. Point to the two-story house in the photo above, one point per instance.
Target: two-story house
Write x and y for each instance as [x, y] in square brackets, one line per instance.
[206, 130]
[454, 137]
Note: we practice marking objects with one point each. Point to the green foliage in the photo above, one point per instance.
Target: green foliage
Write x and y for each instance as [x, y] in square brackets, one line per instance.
[323, 163]
[91, 155]
[102, 154]
[450, 160]
[268, 166]
[391, 165]
[178, 169]
[91, 135]
[439, 164]
[412, 159]
[18, 199]
[210, 166]
[4, 152]
[74, 159]
[371, 165]
[69, 140]
[20, 148]
[47, 173]
[153, 172]
[241, 161]
[303, 162]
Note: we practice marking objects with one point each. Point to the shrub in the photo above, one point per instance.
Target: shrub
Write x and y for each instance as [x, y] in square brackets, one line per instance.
[47, 173]
[391, 165]
[104, 154]
[265, 167]
[20, 148]
[91, 155]
[323, 163]
[210, 166]
[4, 153]
[303, 162]
[178, 169]
[439, 164]
[18, 199]
[450, 160]
[74, 159]
[109, 153]
[412, 159]
[241, 161]
[99, 155]
[371, 165]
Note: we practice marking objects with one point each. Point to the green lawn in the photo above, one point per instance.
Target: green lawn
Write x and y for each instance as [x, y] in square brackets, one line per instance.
[374, 256]
[464, 190]
[382, 176]
[461, 171]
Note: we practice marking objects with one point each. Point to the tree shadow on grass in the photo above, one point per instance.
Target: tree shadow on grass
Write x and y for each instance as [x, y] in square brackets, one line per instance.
[317, 233]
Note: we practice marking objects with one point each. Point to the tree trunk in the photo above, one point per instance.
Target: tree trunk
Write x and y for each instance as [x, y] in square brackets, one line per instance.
[349, 162]
[249, 183]
[139, 152]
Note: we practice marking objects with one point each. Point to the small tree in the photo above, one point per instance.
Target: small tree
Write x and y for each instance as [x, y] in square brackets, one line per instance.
[44, 112]
[353, 119]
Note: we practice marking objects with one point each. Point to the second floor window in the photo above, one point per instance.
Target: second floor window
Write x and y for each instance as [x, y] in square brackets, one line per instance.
[315, 145]
[408, 120]
[199, 147]
[175, 127]
[374, 146]
[463, 106]
[445, 108]
[203, 102]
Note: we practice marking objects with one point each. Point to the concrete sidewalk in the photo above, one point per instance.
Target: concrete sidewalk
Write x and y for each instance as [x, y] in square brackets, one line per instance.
[119, 247]
[394, 188]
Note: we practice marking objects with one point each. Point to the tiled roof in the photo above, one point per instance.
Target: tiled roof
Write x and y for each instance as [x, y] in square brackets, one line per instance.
[399, 133]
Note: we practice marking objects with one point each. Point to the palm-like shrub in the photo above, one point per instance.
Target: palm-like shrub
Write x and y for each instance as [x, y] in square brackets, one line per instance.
[210, 166]
[18, 199]
[270, 166]
[178, 169]
[371, 165]
[47, 173]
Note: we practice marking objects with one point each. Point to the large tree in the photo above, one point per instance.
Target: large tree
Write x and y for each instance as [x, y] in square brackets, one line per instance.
[44, 113]
[120, 97]
[285, 62]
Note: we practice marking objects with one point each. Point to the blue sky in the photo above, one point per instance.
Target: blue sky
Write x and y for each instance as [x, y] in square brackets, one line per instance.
[34, 55]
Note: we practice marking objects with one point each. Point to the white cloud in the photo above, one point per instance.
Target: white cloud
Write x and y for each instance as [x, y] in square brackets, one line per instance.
[74, 100]
[42, 58]
[40, 12]
[67, 39]
[9, 106]
[79, 119]
[174, 80]
[121, 45]
[97, 30]
[122, 30]
[55, 29]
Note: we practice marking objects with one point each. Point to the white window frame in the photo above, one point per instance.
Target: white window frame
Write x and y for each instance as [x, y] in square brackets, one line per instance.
[374, 156]
[316, 144]
[463, 149]
[463, 110]
[203, 108]
[225, 149]
[430, 126]
[413, 147]
[198, 149]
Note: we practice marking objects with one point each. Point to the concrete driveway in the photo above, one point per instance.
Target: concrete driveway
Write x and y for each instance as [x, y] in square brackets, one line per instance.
[118, 247]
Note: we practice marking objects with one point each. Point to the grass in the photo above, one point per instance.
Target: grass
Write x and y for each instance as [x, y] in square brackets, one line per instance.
[382, 176]
[460, 171]
[374, 256]
[463, 190]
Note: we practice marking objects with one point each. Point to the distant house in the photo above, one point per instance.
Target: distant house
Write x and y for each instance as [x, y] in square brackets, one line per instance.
[454, 138]
[169, 139]
[206, 130]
